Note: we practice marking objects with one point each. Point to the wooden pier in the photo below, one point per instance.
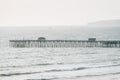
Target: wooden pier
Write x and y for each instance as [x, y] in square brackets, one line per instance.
[42, 43]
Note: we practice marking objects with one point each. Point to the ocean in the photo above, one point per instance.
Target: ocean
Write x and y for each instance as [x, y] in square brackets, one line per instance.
[59, 63]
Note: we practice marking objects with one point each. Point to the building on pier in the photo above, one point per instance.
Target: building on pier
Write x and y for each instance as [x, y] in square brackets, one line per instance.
[42, 42]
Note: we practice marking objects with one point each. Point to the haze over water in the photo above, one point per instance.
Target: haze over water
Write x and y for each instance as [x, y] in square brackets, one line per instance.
[59, 63]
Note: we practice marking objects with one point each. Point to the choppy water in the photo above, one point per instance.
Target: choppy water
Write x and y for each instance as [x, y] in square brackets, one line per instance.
[60, 64]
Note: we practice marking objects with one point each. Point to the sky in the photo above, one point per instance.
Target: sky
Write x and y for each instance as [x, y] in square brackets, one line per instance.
[57, 12]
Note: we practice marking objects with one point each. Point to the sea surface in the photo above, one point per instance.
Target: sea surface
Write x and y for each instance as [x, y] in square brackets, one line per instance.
[59, 63]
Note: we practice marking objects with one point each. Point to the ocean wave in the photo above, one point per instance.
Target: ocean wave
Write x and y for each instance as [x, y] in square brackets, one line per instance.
[15, 74]
[23, 66]
[43, 79]
[115, 73]
[52, 70]
[59, 70]
[108, 66]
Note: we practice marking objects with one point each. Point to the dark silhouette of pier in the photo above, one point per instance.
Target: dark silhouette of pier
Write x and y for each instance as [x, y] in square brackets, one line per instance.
[42, 43]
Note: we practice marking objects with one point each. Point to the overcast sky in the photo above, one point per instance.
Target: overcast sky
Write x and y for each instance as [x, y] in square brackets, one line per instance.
[56, 12]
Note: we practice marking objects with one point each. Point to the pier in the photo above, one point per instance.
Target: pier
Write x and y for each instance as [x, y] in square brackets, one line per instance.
[41, 42]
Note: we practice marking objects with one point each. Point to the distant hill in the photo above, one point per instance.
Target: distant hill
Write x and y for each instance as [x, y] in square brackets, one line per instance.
[105, 23]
